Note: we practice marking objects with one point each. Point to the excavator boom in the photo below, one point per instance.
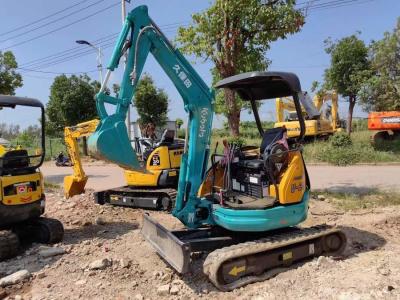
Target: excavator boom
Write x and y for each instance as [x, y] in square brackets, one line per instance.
[75, 184]
[139, 37]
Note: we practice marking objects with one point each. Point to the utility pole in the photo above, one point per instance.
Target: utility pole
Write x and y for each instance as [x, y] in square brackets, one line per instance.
[128, 115]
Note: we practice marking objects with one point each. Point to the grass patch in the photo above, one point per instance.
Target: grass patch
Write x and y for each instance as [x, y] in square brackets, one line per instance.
[360, 200]
[359, 151]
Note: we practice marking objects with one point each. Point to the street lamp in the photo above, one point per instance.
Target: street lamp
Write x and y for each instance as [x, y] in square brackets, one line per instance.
[98, 58]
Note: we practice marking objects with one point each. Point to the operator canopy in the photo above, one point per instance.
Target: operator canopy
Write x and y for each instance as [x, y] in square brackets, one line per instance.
[262, 85]
[12, 101]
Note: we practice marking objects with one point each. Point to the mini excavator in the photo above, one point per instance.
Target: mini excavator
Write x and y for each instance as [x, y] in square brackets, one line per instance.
[154, 188]
[22, 198]
[244, 209]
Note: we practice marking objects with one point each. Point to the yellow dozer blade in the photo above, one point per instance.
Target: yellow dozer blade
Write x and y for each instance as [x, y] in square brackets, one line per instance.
[73, 186]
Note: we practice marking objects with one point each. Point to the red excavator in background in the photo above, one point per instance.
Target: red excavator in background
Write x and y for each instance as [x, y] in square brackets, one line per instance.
[386, 124]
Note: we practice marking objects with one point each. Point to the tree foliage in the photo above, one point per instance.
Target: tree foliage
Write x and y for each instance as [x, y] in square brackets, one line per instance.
[349, 69]
[382, 91]
[72, 101]
[151, 103]
[235, 35]
[179, 122]
[9, 78]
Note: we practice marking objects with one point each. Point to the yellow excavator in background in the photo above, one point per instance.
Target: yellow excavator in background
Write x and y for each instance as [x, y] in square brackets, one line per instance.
[75, 184]
[155, 188]
[318, 125]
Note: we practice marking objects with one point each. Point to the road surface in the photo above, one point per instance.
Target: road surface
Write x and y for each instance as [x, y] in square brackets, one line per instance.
[365, 178]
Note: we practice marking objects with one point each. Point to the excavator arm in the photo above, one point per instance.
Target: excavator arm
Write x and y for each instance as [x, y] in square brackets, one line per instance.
[139, 37]
[75, 184]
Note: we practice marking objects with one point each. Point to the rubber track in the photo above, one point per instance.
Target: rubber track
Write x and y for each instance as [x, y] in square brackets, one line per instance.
[55, 228]
[9, 244]
[171, 193]
[216, 258]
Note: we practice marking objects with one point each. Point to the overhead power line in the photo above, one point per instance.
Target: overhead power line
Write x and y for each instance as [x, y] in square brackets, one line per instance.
[318, 5]
[64, 52]
[44, 18]
[77, 52]
[51, 22]
[58, 73]
[62, 27]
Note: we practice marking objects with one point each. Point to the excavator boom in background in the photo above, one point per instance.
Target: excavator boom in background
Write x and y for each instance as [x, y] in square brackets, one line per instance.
[252, 202]
[321, 124]
[75, 184]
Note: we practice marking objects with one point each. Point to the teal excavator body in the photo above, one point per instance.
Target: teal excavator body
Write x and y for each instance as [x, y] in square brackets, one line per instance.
[141, 36]
[244, 208]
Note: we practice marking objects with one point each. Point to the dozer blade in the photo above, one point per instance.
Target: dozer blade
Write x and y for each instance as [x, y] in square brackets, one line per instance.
[73, 186]
[176, 246]
[110, 142]
[167, 245]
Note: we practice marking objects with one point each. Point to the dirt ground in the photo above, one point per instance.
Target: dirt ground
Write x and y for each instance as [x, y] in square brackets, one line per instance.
[130, 269]
[344, 179]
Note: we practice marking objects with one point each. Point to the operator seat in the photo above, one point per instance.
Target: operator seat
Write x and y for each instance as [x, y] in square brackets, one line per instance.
[14, 159]
[270, 137]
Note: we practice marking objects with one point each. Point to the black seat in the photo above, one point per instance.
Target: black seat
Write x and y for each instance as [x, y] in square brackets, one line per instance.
[270, 136]
[254, 164]
[167, 138]
[14, 159]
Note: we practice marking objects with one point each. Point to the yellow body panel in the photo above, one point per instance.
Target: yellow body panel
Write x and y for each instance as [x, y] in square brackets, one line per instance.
[22, 195]
[160, 159]
[292, 183]
[135, 178]
[2, 150]
[313, 127]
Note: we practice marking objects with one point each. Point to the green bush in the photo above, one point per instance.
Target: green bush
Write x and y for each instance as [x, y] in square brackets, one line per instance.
[339, 156]
[340, 139]
[239, 141]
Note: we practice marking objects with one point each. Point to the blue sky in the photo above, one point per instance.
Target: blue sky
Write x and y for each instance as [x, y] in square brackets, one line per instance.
[301, 53]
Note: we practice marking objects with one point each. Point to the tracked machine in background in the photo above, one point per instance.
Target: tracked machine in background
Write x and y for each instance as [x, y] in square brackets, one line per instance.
[153, 188]
[321, 115]
[386, 125]
[245, 209]
[22, 198]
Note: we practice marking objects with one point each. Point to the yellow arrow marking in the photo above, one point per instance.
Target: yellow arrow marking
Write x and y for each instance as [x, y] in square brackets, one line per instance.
[236, 270]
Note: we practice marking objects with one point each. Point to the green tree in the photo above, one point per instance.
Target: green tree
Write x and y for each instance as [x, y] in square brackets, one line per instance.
[348, 71]
[235, 35]
[151, 103]
[179, 122]
[72, 101]
[9, 78]
[382, 91]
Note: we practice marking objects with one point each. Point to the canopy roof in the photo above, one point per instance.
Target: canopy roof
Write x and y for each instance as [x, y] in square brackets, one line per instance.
[12, 101]
[262, 85]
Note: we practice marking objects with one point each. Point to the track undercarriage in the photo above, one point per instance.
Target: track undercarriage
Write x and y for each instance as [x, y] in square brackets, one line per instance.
[137, 197]
[236, 259]
[39, 230]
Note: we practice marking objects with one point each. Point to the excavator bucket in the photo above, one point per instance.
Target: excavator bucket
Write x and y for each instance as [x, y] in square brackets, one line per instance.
[110, 142]
[73, 186]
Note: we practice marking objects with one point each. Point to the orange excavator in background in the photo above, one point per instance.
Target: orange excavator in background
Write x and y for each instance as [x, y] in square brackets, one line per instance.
[386, 124]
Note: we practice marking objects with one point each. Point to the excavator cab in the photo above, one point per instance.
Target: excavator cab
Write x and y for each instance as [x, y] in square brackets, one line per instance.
[22, 198]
